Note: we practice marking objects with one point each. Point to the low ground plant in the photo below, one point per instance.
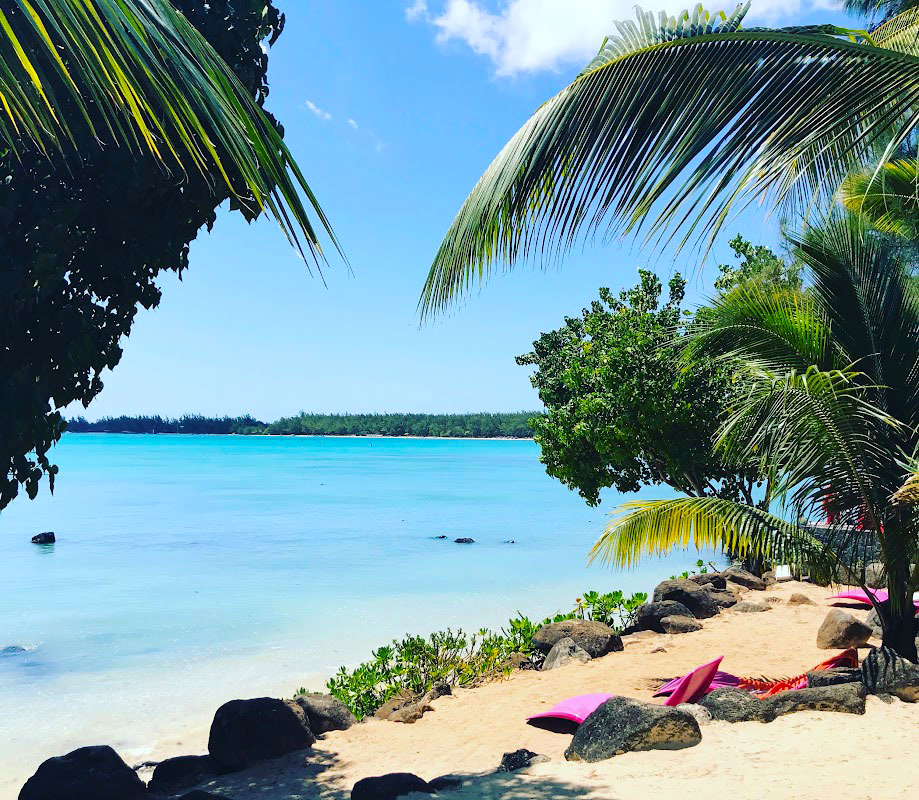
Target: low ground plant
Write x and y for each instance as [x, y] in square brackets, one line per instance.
[415, 664]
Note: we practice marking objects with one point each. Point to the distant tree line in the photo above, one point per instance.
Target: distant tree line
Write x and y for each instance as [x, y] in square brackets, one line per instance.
[514, 425]
[189, 423]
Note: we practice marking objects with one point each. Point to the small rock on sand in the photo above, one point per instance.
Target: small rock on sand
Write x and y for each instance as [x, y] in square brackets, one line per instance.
[565, 651]
[798, 599]
[751, 607]
[680, 624]
[389, 787]
[520, 759]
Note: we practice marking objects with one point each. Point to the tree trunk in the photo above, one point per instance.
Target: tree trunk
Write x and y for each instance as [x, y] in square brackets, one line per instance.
[900, 635]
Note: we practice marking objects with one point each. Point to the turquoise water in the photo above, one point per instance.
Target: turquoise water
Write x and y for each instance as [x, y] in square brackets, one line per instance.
[189, 569]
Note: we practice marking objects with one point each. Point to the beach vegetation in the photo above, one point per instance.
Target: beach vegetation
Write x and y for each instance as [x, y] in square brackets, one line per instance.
[830, 411]
[126, 124]
[415, 664]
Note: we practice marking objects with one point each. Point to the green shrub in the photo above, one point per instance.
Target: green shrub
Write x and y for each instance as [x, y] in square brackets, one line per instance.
[416, 663]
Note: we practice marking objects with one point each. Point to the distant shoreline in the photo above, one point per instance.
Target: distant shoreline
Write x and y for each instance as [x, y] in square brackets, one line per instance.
[305, 436]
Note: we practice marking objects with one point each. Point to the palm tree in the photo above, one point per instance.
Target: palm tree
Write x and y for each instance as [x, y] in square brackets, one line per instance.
[832, 416]
[137, 74]
[678, 122]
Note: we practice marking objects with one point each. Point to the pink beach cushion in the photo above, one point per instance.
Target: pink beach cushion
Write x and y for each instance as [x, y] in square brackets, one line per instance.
[861, 596]
[720, 680]
[575, 709]
[694, 684]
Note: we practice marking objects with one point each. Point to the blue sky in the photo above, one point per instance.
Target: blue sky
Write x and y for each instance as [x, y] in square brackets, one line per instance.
[393, 108]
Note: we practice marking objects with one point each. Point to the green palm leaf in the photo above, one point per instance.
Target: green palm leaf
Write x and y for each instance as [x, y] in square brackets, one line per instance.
[888, 197]
[658, 527]
[692, 116]
[157, 86]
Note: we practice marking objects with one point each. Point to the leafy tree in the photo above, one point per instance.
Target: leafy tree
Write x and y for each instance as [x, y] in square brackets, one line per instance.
[830, 415]
[632, 143]
[620, 410]
[126, 124]
[757, 263]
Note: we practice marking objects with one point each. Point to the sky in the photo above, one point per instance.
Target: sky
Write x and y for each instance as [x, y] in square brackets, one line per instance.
[393, 109]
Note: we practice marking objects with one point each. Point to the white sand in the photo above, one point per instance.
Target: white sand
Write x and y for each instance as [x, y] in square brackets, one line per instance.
[803, 755]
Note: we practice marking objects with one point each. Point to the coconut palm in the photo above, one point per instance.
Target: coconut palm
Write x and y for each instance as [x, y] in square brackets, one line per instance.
[831, 415]
[634, 144]
[137, 74]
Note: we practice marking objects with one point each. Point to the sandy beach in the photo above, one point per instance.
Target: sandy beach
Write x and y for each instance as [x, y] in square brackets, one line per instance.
[802, 755]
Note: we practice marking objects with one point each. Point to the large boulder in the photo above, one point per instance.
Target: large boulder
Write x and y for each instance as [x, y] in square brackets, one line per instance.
[743, 578]
[714, 580]
[886, 672]
[622, 724]
[245, 731]
[876, 575]
[181, 772]
[873, 621]
[595, 637]
[845, 698]
[680, 624]
[389, 787]
[728, 704]
[699, 602]
[840, 630]
[90, 773]
[325, 713]
[724, 598]
[565, 651]
[833, 677]
[649, 615]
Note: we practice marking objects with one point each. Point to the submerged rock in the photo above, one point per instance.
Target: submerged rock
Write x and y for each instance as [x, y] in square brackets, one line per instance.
[325, 713]
[886, 672]
[245, 731]
[12, 650]
[389, 787]
[680, 624]
[596, 638]
[699, 602]
[621, 725]
[95, 773]
[46, 537]
[649, 615]
[464, 540]
[520, 759]
[840, 630]
[178, 773]
[565, 651]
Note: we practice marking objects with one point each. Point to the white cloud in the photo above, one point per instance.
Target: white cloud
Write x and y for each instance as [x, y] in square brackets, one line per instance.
[417, 9]
[352, 123]
[325, 116]
[535, 35]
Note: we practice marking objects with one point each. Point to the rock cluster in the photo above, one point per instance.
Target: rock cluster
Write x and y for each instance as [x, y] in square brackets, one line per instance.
[595, 638]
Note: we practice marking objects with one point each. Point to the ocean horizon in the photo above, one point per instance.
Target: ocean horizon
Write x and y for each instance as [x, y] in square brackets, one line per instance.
[193, 569]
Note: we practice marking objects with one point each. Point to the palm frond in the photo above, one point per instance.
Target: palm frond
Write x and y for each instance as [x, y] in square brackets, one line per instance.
[693, 116]
[887, 197]
[142, 72]
[908, 493]
[658, 527]
[775, 329]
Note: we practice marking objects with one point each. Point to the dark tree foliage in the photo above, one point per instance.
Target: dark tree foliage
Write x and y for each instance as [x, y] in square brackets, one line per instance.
[82, 244]
[188, 423]
[621, 411]
[511, 425]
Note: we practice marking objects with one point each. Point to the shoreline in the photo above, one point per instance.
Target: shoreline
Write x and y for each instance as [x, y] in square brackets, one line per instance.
[468, 731]
[308, 436]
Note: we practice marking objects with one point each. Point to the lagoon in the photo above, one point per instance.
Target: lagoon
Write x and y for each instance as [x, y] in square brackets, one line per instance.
[193, 569]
